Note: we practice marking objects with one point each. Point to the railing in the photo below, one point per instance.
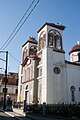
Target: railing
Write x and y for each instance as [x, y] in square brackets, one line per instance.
[18, 105]
[62, 110]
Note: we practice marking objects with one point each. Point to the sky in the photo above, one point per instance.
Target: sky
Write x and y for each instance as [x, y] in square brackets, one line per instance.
[65, 12]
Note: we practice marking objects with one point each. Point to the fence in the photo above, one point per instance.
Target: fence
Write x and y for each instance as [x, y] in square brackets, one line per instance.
[8, 104]
[62, 110]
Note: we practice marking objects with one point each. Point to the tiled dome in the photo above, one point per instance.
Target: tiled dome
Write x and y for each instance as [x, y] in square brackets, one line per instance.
[32, 40]
[75, 48]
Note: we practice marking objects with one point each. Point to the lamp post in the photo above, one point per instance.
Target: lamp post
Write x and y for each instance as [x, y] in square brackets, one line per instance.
[4, 106]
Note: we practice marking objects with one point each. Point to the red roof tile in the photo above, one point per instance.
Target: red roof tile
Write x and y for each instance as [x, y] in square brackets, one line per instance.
[75, 48]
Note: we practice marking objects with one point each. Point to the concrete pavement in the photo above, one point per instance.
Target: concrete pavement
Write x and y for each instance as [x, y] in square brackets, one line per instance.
[39, 117]
[19, 114]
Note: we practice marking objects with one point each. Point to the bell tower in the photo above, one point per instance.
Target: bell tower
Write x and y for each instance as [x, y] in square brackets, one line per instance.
[51, 52]
[50, 37]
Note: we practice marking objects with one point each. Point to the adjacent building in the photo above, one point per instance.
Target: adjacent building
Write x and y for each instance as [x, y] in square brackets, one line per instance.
[11, 86]
[45, 75]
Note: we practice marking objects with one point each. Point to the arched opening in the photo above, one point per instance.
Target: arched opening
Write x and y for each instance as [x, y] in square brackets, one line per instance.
[42, 40]
[72, 93]
[55, 39]
[33, 50]
[27, 95]
[25, 53]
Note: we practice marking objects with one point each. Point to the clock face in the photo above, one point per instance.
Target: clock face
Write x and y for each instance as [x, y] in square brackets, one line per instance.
[57, 70]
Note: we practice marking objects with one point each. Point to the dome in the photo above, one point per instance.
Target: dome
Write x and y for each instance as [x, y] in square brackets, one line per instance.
[75, 48]
[32, 40]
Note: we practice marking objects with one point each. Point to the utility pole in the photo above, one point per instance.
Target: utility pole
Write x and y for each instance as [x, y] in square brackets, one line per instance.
[5, 90]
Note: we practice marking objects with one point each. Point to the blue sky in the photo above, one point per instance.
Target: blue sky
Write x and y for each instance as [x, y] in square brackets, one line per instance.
[66, 12]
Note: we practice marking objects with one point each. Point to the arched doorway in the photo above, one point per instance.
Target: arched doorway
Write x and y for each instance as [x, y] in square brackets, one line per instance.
[27, 95]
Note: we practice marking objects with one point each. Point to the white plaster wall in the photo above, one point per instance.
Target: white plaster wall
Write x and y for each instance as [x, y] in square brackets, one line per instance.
[74, 56]
[73, 79]
[23, 92]
[11, 88]
[30, 89]
[55, 82]
[44, 75]
[55, 57]
[40, 90]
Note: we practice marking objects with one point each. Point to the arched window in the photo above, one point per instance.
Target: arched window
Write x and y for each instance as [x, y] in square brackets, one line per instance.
[42, 40]
[33, 50]
[26, 87]
[54, 39]
[25, 53]
[51, 41]
[58, 42]
[27, 95]
[72, 93]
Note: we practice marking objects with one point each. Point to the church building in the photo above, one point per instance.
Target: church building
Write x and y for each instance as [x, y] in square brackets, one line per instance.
[45, 75]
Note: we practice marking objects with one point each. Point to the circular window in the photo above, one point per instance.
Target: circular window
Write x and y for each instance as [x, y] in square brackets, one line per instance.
[56, 70]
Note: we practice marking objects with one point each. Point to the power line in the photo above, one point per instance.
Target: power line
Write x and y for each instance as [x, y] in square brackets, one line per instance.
[19, 29]
[17, 25]
[14, 57]
[21, 24]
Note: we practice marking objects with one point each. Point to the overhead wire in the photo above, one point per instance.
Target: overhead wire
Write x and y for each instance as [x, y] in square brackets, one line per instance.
[14, 57]
[19, 27]
[17, 24]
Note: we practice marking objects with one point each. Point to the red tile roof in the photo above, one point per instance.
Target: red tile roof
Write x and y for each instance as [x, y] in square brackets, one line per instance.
[75, 48]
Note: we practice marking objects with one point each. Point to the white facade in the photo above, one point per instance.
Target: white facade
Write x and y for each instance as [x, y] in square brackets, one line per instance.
[11, 86]
[47, 76]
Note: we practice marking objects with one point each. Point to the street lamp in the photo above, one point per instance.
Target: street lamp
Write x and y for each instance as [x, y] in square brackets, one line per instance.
[6, 61]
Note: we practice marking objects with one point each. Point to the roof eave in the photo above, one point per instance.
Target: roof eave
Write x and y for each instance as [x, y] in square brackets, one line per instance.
[61, 27]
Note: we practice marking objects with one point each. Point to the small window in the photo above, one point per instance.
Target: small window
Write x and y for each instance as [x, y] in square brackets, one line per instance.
[56, 70]
[17, 82]
[72, 93]
[4, 90]
[58, 42]
[16, 91]
[26, 87]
